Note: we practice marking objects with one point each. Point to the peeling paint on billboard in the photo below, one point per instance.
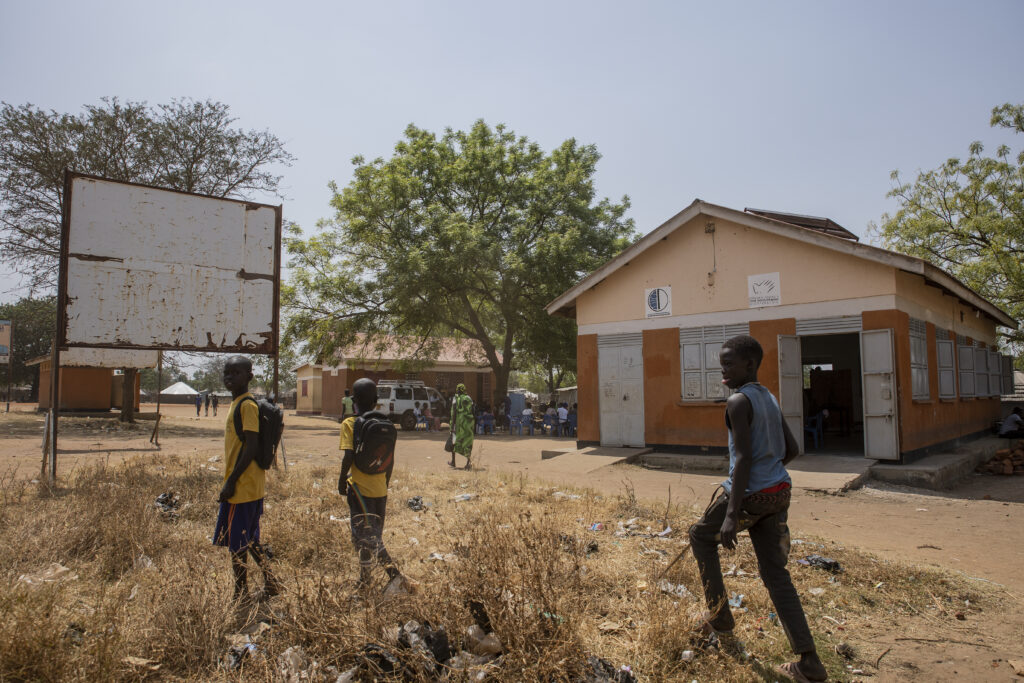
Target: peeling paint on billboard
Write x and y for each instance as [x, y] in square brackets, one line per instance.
[148, 268]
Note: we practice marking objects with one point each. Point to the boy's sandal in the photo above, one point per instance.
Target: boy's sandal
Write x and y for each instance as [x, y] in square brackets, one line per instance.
[792, 670]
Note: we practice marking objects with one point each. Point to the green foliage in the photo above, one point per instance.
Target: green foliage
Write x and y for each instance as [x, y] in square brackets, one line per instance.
[186, 145]
[149, 378]
[469, 234]
[33, 322]
[967, 217]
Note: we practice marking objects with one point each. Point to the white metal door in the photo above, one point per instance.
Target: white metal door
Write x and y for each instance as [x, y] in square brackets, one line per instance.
[878, 377]
[621, 376]
[791, 385]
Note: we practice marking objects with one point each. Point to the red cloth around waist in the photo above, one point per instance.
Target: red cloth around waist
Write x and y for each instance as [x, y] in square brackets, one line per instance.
[775, 489]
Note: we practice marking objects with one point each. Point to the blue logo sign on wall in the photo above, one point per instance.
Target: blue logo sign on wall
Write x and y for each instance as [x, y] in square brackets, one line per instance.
[658, 302]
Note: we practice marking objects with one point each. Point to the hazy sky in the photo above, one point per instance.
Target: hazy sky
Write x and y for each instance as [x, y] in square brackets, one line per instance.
[794, 106]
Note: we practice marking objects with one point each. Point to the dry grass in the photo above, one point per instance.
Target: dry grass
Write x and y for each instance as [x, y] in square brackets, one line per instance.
[550, 602]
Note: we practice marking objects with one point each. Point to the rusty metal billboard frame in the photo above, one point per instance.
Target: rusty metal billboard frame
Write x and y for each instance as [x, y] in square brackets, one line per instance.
[268, 348]
[60, 337]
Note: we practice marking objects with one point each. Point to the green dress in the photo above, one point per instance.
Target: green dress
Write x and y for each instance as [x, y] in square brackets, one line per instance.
[462, 423]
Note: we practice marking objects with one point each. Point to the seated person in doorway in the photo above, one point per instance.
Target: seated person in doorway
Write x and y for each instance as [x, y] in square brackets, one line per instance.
[1013, 426]
[755, 498]
[433, 423]
[563, 419]
[486, 421]
[527, 417]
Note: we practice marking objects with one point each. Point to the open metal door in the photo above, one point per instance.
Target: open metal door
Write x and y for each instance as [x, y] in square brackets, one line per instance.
[791, 385]
[878, 377]
[621, 378]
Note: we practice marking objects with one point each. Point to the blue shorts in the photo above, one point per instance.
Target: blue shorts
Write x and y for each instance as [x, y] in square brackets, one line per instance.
[238, 525]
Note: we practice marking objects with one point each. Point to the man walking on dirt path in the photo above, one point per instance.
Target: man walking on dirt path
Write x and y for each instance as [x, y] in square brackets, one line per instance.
[756, 499]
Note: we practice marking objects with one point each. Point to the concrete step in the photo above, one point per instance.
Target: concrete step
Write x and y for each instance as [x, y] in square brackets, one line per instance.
[942, 470]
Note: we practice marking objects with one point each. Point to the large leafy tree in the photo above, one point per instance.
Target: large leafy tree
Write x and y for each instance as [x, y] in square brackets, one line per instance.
[188, 145]
[33, 321]
[467, 234]
[967, 216]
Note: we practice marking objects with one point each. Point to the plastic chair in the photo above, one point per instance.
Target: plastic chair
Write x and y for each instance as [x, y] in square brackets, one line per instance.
[421, 421]
[572, 423]
[815, 427]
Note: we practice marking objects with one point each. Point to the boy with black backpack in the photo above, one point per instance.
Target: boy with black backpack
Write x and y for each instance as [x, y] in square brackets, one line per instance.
[251, 435]
[368, 442]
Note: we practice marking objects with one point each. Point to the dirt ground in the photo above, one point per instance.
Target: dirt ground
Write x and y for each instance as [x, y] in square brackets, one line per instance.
[975, 529]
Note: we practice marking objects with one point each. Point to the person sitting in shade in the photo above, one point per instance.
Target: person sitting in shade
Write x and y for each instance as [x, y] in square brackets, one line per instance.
[1013, 426]
[433, 423]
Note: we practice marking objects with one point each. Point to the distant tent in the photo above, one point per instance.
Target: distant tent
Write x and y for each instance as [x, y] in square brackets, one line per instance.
[179, 389]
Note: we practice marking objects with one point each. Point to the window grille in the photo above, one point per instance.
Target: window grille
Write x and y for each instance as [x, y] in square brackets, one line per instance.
[698, 356]
[919, 359]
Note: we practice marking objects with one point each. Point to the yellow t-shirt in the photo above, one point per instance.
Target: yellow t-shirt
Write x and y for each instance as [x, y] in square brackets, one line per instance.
[369, 485]
[251, 484]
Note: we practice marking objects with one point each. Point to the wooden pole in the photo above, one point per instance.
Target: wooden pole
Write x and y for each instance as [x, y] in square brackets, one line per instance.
[54, 409]
[155, 436]
[10, 364]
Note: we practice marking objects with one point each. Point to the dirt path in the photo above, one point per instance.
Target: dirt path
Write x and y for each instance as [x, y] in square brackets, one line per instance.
[976, 529]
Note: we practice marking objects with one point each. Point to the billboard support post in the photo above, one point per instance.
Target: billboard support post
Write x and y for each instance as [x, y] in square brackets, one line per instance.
[154, 438]
[10, 364]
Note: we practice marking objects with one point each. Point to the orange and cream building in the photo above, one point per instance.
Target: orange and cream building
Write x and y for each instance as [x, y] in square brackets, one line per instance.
[895, 357]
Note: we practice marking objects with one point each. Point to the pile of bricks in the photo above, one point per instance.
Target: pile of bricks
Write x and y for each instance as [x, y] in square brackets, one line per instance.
[1006, 461]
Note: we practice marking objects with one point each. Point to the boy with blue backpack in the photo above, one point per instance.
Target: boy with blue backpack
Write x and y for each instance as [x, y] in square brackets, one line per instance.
[251, 435]
[368, 443]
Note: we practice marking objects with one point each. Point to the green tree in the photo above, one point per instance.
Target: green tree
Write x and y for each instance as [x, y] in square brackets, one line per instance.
[148, 377]
[468, 234]
[187, 145]
[967, 217]
[33, 321]
[548, 352]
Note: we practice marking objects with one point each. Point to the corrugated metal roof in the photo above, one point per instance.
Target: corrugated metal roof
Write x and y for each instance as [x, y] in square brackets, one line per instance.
[821, 224]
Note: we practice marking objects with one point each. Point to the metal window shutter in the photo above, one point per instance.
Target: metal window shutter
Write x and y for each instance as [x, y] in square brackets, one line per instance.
[691, 335]
[995, 374]
[918, 327]
[837, 325]
[615, 340]
[730, 331]
[695, 335]
[947, 374]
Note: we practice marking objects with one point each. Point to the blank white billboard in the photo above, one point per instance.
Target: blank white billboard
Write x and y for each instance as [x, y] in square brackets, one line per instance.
[148, 268]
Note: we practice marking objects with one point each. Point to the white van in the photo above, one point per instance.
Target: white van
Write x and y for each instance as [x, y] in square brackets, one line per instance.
[396, 398]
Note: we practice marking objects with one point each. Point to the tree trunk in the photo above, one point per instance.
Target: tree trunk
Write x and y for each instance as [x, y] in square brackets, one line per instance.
[128, 395]
[500, 389]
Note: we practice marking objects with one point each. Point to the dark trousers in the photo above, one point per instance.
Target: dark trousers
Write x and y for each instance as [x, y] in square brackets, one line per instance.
[367, 523]
[766, 523]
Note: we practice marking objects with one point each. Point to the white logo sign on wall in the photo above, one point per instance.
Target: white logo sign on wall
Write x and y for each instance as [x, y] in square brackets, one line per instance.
[764, 290]
[658, 302]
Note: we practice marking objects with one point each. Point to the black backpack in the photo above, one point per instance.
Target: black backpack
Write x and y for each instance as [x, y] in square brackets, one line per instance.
[271, 426]
[373, 442]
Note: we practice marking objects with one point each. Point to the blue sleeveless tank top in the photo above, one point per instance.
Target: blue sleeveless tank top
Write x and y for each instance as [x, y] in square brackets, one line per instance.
[767, 442]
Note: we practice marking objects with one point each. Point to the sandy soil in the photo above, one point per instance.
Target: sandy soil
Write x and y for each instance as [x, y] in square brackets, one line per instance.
[976, 529]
